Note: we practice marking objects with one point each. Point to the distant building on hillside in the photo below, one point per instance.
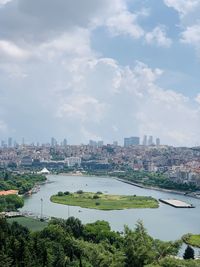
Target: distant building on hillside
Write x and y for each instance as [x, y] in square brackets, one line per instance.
[100, 143]
[65, 142]
[131, 141]
[150, 140]
[10, 142]
[115, 143]
[53, 142]
[157, 141]
[92, 143]
[26, 161]
[73, 161]
[144, 142]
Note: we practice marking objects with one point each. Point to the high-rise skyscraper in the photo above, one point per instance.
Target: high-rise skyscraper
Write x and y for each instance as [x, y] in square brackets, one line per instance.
[157, 141]
[65, 142]
[92, 143]
[2, 143]
[115, 143]
[150, 140]
[131, 141]
[53, 141]
[10, 142]
[23, 141]
[144, 142]
[100, 143]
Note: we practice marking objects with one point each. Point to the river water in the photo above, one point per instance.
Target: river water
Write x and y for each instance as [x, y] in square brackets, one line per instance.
[165, 223]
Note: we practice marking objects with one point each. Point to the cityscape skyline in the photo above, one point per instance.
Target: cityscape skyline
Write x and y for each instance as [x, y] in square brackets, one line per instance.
[100, 70]
[127, 141]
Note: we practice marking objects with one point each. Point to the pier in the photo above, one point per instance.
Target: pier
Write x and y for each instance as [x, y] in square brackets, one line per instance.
[176, 203]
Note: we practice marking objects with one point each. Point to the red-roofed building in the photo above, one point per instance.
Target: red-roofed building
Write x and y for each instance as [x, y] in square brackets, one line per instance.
[9, 192]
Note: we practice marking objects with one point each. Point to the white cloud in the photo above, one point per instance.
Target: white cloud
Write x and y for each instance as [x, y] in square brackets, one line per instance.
[158, 37]
[191, 35]
[189, 25]
[197, 99]
[3, 2]
[25, 19]
[83, 95]
[124, 23]
[81, 107]
[166, 113]
[73, 43]
[146, 107]
[77, 41]
[182, 6]
[11, 50]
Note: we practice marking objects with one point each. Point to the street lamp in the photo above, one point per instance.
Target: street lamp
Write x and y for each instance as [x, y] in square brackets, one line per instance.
[41, 215]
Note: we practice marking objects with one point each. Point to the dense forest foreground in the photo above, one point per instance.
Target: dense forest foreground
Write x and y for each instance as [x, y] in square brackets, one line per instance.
[70, 243]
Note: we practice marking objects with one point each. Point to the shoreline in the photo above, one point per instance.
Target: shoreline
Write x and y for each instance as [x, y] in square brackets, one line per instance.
[133, 183]
[151, 187]
[157, 188]
[36, 188]
[70, 174]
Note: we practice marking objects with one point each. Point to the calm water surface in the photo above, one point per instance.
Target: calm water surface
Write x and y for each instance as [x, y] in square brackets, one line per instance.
[166, 222]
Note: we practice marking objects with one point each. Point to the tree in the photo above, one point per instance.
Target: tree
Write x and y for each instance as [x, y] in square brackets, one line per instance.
[138, 247]
[6, 176]
[5, 260]
[74, 226]
[60, 194]
[164, 249]
[80, 192]
[10, 202]
[189, 253]
[99, 231]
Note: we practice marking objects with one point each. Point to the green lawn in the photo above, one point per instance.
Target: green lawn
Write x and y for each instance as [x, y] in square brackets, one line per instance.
[31, 224]
[105, 202]
[193, 240]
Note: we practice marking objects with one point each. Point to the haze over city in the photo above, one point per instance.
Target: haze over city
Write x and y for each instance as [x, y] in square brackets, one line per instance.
[100, 70]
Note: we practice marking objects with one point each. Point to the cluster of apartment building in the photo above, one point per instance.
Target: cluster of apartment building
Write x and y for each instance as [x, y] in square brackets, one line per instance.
[181, 164]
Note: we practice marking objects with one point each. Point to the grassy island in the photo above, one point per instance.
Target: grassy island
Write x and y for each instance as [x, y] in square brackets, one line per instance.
[192, 240]
[104, 201]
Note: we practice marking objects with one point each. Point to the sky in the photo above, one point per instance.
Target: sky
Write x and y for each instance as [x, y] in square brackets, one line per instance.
[100, 70]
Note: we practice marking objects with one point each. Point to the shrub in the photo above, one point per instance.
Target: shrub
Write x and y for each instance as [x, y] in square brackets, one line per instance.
[79, 192]
[60, 194]
[95, 197]
[66, 193]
